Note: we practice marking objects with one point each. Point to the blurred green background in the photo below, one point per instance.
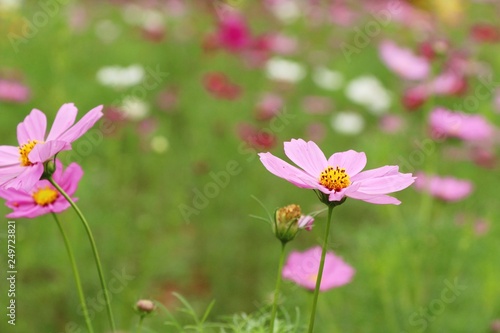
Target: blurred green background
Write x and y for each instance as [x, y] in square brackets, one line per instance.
[131, 193]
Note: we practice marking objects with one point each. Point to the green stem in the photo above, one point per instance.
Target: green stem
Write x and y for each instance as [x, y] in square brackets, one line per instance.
[76, 275]
[278, 286]
[94, 250]
[320, 270]
[139, 326]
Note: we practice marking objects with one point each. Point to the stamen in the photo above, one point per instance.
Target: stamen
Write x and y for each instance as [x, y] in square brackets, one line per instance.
[334, 179]
[45, 196]
[25, 150]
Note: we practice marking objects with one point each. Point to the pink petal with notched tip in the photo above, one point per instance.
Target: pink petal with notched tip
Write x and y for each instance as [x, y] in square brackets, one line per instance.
[82, 126]
[306, 155]
[65, 118]
[351, 160]
[32, 128]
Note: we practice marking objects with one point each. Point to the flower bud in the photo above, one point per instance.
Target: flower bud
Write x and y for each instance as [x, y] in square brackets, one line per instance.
[145, 306]
[286, 222]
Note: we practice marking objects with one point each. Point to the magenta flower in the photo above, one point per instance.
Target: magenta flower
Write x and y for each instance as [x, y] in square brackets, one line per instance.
[21, 167]
[233, 34]
[339, 176]
[44, 198]
[444, 188]
[469, 127]
[403, 62]
[302, 268]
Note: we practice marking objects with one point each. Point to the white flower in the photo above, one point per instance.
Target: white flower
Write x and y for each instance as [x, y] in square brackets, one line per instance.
[348, 122]
[284, 70]
[134, 108]
[286, 10]
[10, 5]
[120, 77]
[327, 79]
[369, 92]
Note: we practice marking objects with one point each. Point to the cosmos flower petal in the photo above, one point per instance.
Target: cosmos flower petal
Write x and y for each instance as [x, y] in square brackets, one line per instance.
[386, 184]
[351, 160]
[9, 155]
[65, 118]
[374, 198]
[71, 177]
[378, 172]
[30, 211]
[339, 195]
[306, 155]
[83, 125]
[32, 128]
[280, 168]
[44, 151]
[26, 179]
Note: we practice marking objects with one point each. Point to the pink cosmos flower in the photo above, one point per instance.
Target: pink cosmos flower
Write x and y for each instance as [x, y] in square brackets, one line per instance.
[403, 62]
[44, 198]
[21, 167]
[12, 91]
[233, 34]
[445, 188]
[306, 222]
[469, 127]
[302, 268]
[339, 176]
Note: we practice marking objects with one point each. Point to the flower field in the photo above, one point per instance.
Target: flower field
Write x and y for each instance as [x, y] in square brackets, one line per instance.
[249, 166]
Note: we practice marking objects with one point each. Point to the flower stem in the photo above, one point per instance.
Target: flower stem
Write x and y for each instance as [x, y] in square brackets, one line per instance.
[94, 250]
[278, 286]
[78, 283]
[320, 270]
[139, 326]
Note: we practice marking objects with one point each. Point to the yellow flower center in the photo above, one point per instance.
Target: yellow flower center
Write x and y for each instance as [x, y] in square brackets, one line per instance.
[334, 179]
[25, 150]
[45, 196]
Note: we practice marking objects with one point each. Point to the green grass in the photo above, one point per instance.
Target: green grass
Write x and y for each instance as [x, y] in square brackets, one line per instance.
[403, 255]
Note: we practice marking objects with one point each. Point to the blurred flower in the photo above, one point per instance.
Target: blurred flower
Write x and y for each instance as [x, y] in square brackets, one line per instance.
[22, 167]
[256, 138]
[167, 99]
[280, 69]
[145, 306]
[444, 188]
[13, 91]
[233, 33]
[342, 15]
[495, 326]
[464, 126]
[415, 97]
[120, 77]
[282, 44]
[44, 198]
[219, 85]
[285, 10]
[134, 108]
[10, 5]
[339, 176]
[348, 122]
[403, 62]
[448, 83]
[369, 92]
[316, 104]
[481, 227]
[159, 144]
[302, 268]
[485, 33]
[433, 48]
[392, 124]
[316, 131]
[107, 31]
[268, 106]
[327, 79]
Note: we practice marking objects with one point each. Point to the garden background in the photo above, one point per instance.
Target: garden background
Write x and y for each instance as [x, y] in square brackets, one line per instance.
[171, 171]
